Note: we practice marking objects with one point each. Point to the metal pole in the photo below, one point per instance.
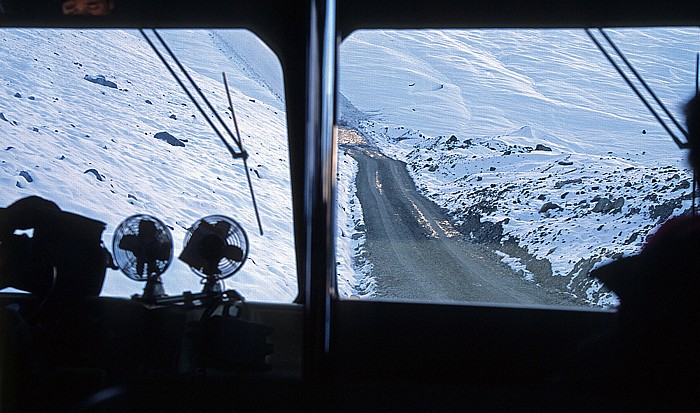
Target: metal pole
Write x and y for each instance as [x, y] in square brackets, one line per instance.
[319, 191]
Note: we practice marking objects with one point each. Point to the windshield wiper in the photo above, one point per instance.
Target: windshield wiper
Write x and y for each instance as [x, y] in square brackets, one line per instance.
[237, 139]
[648, 89]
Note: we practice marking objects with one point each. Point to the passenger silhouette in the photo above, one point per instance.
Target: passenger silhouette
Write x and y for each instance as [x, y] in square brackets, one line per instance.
[63, 253]
[651, 358]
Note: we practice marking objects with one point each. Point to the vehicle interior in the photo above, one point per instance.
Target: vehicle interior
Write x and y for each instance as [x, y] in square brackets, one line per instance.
[67, 345]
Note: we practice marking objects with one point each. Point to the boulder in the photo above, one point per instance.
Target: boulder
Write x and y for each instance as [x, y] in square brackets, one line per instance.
[26, 175]
[95, 173]
[605, 205]
[548, 206]
[561, 184]
[100, 80]
[165, 136]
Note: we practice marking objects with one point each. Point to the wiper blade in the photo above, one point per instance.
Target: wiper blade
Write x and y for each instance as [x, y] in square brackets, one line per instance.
[241, 153]
[646, 103]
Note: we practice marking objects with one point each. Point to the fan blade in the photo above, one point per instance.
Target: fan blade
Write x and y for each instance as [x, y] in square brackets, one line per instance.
[234, 253]
[130, 243]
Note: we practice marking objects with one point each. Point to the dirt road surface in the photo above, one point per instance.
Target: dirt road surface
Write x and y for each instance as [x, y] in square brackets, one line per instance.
[415, 251]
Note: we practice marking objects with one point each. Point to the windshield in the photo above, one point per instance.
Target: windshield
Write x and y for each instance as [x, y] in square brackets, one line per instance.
[93, 121]
[502, 166]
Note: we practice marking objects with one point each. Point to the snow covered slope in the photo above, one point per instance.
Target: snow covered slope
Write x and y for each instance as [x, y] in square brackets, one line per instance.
[529, 137]
[499, 93]
[91, 147]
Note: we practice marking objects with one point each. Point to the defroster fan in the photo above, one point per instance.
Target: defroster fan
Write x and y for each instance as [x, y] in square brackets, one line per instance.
[216, 247]
[143, 250]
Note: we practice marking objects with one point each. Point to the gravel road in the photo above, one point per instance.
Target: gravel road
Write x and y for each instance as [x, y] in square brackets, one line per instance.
[415, 251]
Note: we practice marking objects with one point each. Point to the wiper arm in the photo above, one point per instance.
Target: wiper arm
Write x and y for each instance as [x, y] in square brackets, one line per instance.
[673, 136]
[241, 153]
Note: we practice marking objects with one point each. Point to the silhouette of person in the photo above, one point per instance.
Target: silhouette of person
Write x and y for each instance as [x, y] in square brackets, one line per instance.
[66, 242]
[21, 263]
[654, 352]
[88, 7]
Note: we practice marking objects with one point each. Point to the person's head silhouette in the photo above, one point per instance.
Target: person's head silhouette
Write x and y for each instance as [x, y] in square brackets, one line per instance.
[89, 7]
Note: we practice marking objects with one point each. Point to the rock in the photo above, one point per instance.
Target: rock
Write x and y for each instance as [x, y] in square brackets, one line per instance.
[664, 210]
[95, 173]
[548, 206]
[2, 117]
[617, 204]
[605, 205]
[173, 117]
[565, 163]
[632, 238]
[684, 184]
[453, 139]
[488, 232]
[18, 95]
[541, 147]
[561, 184]
[26, 175]
[149, 101]
[492, 168]
[633, 211]
[100, 80]
[165, 136]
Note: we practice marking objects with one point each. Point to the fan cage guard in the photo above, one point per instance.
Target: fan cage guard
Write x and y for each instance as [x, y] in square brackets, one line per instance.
[235, 236]
[127, 260]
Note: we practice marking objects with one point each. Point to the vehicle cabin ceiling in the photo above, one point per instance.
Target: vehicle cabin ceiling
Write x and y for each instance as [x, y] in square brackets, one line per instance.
[273, 15]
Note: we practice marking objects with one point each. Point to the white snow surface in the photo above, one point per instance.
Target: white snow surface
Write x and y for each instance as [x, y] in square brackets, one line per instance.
[467, 109]
[60, 125]
[499, 92]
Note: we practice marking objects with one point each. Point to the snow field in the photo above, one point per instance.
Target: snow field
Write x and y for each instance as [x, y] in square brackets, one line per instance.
[531, 132]
[60, 126]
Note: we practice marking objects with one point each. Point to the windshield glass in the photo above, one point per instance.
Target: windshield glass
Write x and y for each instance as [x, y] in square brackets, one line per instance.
[502, 166]
[94, 121]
